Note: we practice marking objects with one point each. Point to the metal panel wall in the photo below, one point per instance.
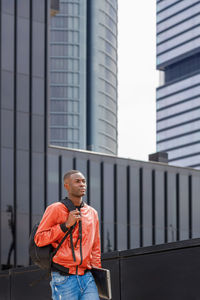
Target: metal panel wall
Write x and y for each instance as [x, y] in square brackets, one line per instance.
[161, 272]
[23, 117]
[5, 285]
[139, 203]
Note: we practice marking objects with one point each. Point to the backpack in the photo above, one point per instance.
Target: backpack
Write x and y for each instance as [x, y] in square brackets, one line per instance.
[42, 256]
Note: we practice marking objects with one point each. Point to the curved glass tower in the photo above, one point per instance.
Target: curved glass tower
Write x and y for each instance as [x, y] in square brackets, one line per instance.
[83, 76]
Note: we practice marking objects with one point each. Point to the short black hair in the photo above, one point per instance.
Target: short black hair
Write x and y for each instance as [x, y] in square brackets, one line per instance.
[69, 173]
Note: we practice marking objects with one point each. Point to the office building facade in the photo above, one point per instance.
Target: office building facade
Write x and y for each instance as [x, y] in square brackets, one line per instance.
[178, 96]
[83, 76]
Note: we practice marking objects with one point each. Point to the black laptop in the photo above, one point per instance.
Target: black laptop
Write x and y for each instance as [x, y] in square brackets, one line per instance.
[102, 279]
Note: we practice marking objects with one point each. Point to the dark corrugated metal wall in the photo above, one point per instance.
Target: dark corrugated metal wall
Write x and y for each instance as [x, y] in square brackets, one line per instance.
[139, 203]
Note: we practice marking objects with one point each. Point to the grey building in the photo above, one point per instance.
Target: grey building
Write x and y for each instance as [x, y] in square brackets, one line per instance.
[83, 76]
[178, 96]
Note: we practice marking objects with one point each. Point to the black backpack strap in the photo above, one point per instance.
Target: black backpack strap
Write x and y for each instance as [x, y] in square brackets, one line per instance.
[59, 245]
[68, 203]
[70, 206]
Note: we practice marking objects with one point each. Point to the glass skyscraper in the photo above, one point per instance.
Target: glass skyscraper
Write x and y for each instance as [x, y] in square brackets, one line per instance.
[83, 75]
[178, 97]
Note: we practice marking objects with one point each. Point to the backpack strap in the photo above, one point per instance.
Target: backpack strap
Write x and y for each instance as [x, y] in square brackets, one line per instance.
[68, 203]
[70, 206]
[59, 245]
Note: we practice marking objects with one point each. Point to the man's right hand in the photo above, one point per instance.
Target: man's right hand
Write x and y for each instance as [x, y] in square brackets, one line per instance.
[73, 217]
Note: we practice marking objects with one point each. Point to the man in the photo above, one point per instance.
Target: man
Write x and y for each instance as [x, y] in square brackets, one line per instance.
[71, 278]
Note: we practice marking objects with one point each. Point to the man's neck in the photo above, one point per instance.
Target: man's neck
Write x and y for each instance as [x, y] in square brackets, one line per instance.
[75, 200]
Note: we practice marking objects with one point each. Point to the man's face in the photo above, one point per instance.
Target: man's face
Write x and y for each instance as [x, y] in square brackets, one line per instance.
[76, 185]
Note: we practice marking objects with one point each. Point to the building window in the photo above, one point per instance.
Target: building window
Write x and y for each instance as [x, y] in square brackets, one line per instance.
[183, 68]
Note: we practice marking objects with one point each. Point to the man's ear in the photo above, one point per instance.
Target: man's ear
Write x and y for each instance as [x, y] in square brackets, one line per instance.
[66, 186]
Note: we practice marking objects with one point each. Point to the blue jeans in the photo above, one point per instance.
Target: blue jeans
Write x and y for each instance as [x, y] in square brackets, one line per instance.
[73, 287]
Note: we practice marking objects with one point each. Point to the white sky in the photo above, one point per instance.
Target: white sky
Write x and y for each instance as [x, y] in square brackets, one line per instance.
[137, 78]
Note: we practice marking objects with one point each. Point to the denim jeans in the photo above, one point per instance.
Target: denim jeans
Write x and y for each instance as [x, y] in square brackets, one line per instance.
[73, 287]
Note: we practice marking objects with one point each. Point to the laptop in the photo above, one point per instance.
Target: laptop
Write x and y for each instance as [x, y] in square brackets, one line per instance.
[103, 282]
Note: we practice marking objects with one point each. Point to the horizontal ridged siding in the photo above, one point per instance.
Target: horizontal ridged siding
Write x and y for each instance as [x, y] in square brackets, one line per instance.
[178, 31]
[178, 121]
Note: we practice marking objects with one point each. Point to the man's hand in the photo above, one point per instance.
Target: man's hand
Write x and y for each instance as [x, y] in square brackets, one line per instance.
[73, 217]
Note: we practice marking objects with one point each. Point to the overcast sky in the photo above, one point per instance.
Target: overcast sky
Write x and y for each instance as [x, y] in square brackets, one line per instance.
[137, 78]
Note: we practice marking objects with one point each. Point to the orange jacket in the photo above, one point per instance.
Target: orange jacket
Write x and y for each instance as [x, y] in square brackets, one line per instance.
[51, 230]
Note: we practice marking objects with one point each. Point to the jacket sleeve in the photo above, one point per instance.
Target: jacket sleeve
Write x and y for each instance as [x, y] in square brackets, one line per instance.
[96, 249]
[49, 229]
